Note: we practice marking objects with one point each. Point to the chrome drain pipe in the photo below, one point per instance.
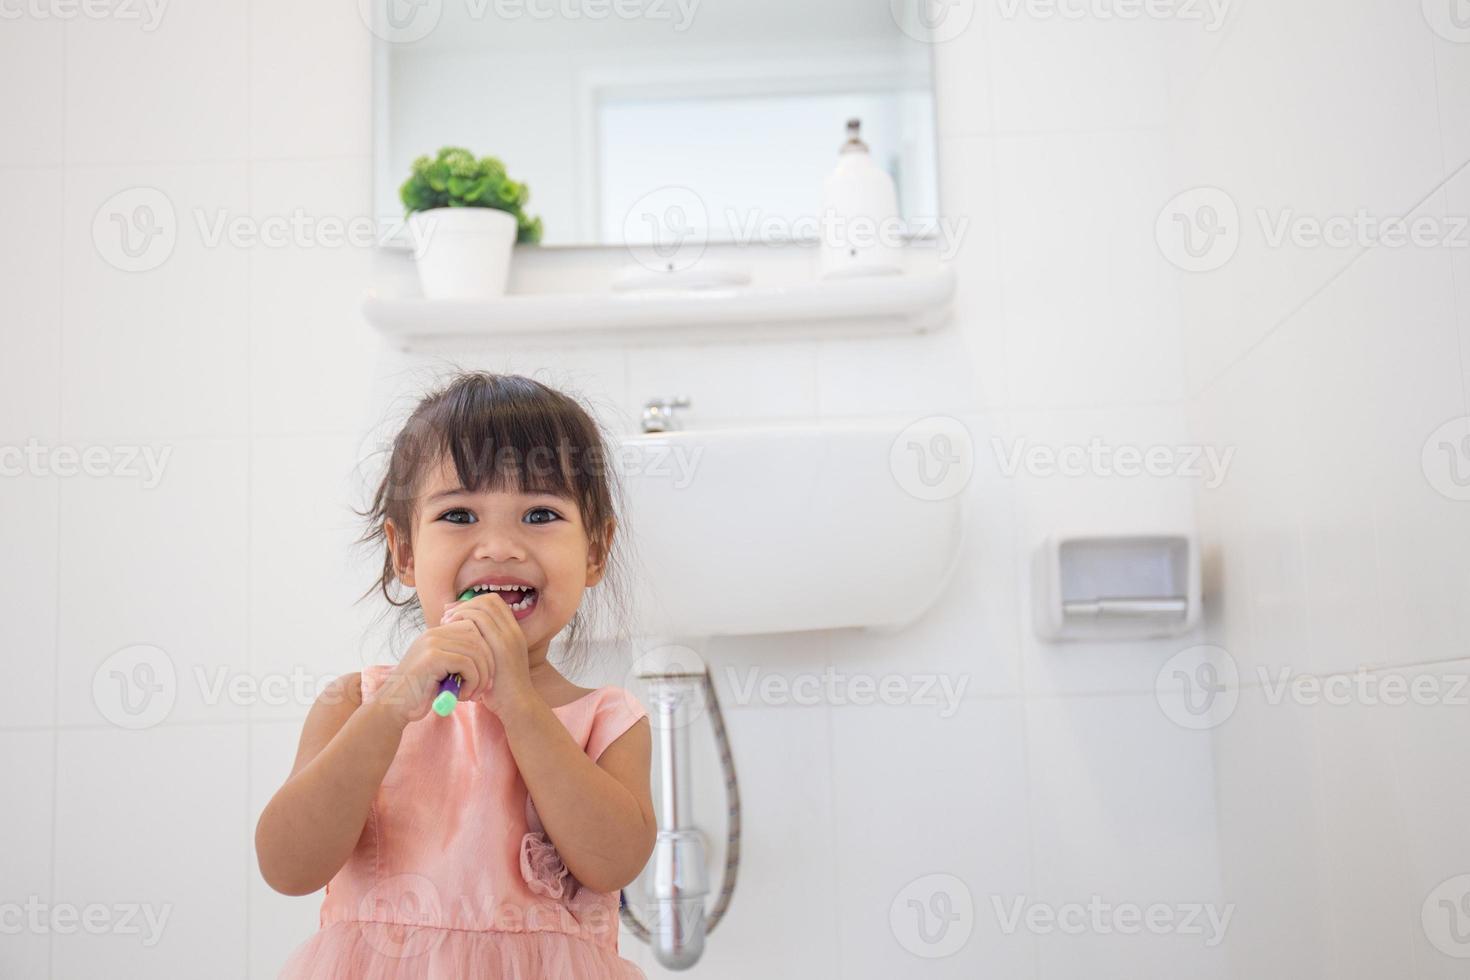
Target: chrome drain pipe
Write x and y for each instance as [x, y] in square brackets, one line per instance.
[679, 862]
[680, 879]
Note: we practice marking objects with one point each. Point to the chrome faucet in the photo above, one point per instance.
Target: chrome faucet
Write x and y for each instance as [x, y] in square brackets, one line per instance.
[658, 413]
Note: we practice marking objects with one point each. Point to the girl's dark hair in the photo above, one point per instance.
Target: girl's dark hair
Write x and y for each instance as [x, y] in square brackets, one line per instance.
[503, 432]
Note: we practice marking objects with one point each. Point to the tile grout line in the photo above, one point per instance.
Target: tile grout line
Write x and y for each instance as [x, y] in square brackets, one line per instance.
[249, 483]
[56, 610]
[831, 724]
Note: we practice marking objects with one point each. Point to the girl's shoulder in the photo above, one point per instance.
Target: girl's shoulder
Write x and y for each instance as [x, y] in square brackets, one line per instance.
[346, 688]
[569, 694]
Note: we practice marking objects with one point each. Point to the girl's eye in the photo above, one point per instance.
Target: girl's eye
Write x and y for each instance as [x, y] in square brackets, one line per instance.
[472, 519]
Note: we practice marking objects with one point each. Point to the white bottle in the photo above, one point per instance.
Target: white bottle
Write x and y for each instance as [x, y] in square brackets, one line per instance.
[859, 225]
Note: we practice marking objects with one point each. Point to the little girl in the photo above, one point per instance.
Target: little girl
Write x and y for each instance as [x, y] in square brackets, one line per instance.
[491, 842]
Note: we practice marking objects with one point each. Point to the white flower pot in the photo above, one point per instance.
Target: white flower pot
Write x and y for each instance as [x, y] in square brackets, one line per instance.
[462, 253]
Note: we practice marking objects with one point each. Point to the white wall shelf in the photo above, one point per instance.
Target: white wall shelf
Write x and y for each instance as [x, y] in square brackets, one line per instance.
[913, 302]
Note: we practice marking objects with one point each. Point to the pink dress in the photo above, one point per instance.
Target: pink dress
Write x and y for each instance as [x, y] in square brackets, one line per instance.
[453, 876]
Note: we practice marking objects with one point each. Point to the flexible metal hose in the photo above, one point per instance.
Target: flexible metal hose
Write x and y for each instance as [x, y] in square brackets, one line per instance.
[732, 845]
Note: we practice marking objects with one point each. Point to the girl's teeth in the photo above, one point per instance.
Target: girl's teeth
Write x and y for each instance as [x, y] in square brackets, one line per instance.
[506, 591]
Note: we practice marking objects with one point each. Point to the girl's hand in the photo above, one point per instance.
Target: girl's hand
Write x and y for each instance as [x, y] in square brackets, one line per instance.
[488, 618]
[409, 690]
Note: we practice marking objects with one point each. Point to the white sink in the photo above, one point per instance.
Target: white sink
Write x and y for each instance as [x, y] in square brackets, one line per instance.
[786, 527]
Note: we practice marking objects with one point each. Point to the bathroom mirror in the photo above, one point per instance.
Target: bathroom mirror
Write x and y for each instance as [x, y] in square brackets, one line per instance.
[718, 118]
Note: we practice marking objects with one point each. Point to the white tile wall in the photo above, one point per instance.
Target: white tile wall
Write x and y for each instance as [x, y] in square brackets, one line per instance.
[32, 60]
[27, 867]
[154, 822]
[1114, 783]
[30, 274]
[1304, 110]
[28, 599]
[175, 89]
[1332, 547]
[1082, 281]
[160, 351]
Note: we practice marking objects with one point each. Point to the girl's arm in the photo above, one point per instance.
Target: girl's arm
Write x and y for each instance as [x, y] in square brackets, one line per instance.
[598, 814]
[310, 827]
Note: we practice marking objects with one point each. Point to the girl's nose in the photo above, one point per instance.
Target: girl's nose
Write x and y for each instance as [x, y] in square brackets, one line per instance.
[499, 544]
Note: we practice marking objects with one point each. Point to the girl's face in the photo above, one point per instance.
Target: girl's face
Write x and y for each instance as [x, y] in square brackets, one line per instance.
[461, 538]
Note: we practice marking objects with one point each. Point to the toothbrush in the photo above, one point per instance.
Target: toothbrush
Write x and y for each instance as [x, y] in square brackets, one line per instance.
[448, 695]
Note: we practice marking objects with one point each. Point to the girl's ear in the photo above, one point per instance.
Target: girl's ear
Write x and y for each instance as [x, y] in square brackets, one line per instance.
[402, 554]
[597, 553]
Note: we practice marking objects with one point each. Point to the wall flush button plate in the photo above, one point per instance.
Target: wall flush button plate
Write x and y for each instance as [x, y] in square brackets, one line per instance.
[1116, 586]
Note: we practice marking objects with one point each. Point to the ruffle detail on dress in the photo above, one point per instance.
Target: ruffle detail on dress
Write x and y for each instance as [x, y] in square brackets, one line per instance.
[543, 869]
[357, 950]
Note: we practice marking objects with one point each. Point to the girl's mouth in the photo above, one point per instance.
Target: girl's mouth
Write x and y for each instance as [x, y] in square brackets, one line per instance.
[522, 599]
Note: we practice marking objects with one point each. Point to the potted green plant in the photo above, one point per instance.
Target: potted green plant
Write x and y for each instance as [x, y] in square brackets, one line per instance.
[464, 216]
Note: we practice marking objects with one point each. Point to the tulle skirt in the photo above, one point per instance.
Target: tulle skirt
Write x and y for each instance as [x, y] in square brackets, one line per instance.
[355, 950]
